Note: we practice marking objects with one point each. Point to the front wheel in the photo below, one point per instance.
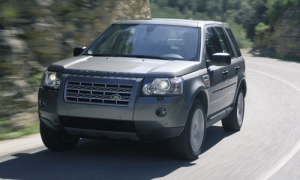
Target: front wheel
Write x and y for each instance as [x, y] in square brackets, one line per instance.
[57, 141]
[234, 121]
[188, 145]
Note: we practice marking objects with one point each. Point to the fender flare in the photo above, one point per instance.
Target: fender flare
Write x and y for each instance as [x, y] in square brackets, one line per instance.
[243, 83]
[200, 89]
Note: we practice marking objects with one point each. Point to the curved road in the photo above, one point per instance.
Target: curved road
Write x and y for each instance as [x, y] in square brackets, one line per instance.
[267, 147]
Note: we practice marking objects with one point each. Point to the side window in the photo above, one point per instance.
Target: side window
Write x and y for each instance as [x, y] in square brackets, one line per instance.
[223, 41]
[235, 44]
[211, 43]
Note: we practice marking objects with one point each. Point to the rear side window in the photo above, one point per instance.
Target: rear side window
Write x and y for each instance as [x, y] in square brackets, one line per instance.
[235, 44]
[223, 41]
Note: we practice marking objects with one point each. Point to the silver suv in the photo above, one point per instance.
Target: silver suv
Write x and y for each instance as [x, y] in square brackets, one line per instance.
[146, 80]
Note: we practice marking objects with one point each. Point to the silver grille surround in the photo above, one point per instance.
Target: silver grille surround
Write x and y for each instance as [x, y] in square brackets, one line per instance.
[97, 93]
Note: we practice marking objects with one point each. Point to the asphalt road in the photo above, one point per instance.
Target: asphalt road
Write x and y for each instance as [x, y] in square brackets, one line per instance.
[267, 147]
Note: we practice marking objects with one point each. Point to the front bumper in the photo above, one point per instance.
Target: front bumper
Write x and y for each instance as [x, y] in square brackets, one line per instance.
[137, 121]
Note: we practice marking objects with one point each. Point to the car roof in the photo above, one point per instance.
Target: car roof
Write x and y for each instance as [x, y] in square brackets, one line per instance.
[179, 22]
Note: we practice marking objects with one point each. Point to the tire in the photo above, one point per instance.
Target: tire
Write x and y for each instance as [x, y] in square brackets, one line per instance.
[189, 143]
[234, 121]
[57, 141]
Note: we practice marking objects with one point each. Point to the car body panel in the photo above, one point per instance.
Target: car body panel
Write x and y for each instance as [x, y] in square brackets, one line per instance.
[137, 67]
[138, 120]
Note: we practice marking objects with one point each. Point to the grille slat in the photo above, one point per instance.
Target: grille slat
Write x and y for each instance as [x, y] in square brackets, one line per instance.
[97, 93]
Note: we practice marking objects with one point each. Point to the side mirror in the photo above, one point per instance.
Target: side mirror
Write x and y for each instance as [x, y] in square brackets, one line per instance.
[78, 50]
[221, 59]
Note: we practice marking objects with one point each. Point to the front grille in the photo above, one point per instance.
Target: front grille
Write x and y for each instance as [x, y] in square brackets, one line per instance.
[97, 93]
[97, 124]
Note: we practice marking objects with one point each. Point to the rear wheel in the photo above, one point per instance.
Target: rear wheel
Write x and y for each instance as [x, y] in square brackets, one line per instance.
[189, 144]
[234, 121]
[57, 141]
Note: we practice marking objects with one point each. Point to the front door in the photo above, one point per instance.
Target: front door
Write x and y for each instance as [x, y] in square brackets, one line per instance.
[218, 74]
[233, 68]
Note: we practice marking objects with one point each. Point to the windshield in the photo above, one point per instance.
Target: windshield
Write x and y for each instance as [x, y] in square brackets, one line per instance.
[148, 41]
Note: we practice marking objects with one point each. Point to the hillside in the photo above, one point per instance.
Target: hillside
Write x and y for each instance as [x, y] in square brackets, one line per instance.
[36, 33]
[283, 40]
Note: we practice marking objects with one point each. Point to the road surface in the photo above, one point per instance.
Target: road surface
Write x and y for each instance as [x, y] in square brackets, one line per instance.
[267, 147]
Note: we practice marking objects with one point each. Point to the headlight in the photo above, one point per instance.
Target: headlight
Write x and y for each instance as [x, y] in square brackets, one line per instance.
[51, 80]
[161, 86]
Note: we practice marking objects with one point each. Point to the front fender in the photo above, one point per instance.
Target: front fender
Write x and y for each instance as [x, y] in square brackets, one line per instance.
[193, 85]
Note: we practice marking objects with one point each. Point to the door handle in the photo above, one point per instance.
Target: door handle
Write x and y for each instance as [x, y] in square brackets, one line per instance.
[225, 72]
[237, 69]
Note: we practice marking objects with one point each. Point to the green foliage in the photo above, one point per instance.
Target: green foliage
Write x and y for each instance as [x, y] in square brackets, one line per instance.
[195, 9]
[247, 13]
[261, 27]
[35, 78]
[240, 34]
[165, 12]
[9, 132]
[277, 7]
[8, 10]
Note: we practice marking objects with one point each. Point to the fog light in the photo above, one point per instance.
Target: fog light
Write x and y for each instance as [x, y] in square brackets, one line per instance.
[161, 111]
[42, 103]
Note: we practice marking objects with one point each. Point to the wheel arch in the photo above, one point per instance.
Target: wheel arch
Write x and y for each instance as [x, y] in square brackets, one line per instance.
[200, 94]
[242, 85]
[195, 88]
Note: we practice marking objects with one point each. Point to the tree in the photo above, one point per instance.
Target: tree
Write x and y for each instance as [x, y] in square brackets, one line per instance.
[247, 13]
[277, 7]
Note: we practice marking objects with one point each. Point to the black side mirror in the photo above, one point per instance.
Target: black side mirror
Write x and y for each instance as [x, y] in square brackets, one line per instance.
[221, 59]
[78, 50]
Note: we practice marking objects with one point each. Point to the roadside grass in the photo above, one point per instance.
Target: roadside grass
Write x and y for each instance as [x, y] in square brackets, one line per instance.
[9, 132]
[35, 78]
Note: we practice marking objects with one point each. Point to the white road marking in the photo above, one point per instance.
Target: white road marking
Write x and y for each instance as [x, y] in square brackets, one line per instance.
[285, 159]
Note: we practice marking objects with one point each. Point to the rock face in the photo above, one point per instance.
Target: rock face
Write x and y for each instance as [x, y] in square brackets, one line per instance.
[284, 40]
[51, 28]
[36, 33]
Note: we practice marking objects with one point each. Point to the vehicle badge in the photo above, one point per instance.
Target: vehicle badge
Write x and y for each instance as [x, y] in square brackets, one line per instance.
[116, 97]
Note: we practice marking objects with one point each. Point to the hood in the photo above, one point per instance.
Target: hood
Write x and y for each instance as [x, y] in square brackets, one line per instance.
[124, 66]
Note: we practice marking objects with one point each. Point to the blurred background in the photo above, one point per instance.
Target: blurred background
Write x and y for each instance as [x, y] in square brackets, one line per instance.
[36, 33]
